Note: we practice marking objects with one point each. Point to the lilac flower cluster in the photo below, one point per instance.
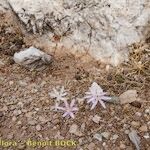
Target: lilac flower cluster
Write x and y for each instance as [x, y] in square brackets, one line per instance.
[94, 96]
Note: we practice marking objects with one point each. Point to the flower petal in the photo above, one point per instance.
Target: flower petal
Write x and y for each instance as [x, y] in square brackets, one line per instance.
[75, 109]
[93, 105]
[91, 100]
[105, 98]
[72, 103]
[65, 114]
[102, 103]
[66, 103]
[88, 96]
[71, 115]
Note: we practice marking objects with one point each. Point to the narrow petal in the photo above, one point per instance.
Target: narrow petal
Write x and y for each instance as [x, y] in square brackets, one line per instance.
[93, 105]
[52, 95]
[62, 89]
[88, 93]
[71, 115]
[72, 103]
[105, 98]
[91, 100]
[65, 114]
[102, 103]
[75, 109]
[66, 103]
[87, 96]
[55, 91]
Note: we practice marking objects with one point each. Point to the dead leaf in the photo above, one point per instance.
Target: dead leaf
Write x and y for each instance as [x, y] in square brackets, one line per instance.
[128, 97]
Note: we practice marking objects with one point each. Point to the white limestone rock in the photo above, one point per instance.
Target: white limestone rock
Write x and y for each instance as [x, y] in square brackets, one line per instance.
[32, 58]
[102, 28]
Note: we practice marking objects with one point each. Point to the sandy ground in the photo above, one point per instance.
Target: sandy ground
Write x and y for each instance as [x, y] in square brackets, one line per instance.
[25, 106]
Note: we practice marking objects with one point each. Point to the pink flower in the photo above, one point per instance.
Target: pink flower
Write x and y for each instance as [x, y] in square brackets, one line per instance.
[68, 109]
[95, 95]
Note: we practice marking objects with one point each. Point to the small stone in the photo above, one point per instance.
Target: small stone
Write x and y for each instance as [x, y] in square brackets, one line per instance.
[32, 58]
[20, 104]
[138, 114]
[146, 136]
[115, 137]
[42, 119]
[22, 83]
[135, 124]
[58, 136]
[106, 135]
[17, 112]
[122, 146]
[29, 114]
[11, 82]
[38, 127]
[32, 122]
[104, 144]
[147, 111]
[143, 128]
[75, 130]
[96, 119]
[128, 97]
[98, 137]
[14, 118]
[126, 131]
[19, 123]
[91, 146]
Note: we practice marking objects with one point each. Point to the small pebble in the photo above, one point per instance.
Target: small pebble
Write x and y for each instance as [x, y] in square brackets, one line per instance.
[11, 82]
[147, 111]
[32, 122]
[146, 136]
[135, 124]
[115, 137]
[75, 130]
[143, 128]
[106, 135]
[98, 137]
[91, 146]
[96, 119]
[122, 146]
[14, 118]
[19, 123]
[38, 127]
[138, 114]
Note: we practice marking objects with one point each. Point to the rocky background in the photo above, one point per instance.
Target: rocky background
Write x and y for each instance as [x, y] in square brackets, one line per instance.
[101, 28]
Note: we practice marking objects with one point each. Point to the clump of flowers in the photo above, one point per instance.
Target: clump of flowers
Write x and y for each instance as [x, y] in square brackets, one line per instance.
[60, 95]
[96, 95]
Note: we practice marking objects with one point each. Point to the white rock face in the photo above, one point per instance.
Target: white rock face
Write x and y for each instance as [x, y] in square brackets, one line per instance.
[101, 28]
[32, 58]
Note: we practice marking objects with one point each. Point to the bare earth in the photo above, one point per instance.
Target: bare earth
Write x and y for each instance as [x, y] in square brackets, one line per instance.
[25, 106]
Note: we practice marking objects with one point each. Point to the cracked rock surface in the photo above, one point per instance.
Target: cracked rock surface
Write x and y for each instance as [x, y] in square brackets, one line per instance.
[104, 29]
